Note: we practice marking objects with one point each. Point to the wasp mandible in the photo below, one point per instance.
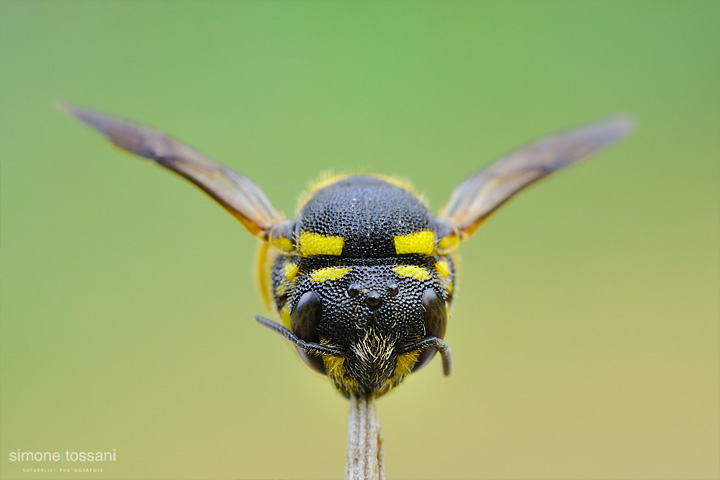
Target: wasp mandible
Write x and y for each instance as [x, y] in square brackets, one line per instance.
[362, 279]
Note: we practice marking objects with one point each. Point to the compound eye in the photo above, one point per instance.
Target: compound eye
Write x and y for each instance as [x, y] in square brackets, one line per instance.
[305, 317]
[304, 320]
[435, 314]
[435, 317]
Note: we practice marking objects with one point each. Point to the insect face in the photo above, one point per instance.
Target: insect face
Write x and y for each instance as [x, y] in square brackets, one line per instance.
[361, 275]
[363, 278]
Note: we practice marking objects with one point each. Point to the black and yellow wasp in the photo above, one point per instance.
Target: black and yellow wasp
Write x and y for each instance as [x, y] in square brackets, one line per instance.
[362, 279]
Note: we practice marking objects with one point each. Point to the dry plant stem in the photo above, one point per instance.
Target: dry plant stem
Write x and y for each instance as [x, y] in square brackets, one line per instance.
[365, 458]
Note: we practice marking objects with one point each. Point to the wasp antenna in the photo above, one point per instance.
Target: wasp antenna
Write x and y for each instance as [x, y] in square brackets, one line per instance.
[440, 346]
[308, 347]
[446, 354]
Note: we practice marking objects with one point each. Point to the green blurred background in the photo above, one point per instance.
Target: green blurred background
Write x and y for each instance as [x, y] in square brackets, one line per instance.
[586, 327]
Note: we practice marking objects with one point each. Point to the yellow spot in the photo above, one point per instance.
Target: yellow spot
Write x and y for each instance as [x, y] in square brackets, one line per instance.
[285, 315]
[405, 362]
[443, 268]
[335, 366]
[448, 242]
[412, 271]
[315, 244]
[280, 289]
[329, 273]
[284, 244]
[418, 242]
[291, 270]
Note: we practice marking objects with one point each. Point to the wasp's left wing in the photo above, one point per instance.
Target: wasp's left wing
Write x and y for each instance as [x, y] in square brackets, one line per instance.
[483, 193]
[236, 193]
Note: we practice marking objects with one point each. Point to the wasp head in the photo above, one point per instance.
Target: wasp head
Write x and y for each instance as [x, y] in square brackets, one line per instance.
[362, 277]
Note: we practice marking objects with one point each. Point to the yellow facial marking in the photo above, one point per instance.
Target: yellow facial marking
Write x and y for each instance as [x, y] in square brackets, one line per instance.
[442, 268]
[412, 271]
[285, 315]
[418, 242]
[315, 244]
[405, 362]
[284, 244]
[280, 289]
[335, 366]
[291, 270]
[329, 273]
[448, 243]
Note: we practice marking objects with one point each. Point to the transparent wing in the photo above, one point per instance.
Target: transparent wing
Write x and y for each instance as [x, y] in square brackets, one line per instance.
[240, 196]
[481, 194]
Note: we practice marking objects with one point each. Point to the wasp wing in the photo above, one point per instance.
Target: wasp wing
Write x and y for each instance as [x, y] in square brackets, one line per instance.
[236, 193]
[481, 194]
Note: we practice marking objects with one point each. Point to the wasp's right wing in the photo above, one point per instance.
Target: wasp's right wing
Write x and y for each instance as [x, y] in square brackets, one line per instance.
[236, 193]
[481, 194]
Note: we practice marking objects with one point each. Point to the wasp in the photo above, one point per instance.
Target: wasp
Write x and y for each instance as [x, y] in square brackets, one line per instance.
[362, 279]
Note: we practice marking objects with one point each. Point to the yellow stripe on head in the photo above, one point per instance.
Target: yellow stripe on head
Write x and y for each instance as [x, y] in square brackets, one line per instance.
[412, 271]
[329, 273]
[419, 242]
[316, 244]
